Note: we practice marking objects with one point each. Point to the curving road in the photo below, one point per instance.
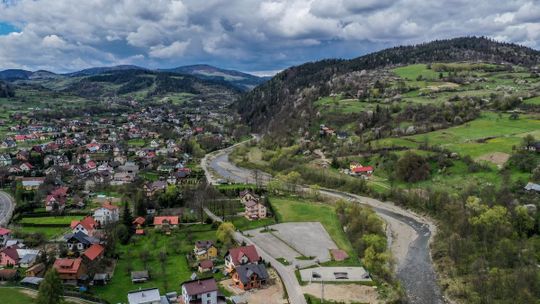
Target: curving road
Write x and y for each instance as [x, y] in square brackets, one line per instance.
[7, 205]
[409, 234]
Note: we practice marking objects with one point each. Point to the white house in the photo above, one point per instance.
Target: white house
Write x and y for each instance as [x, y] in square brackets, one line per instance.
[106, 214]
[144, 296]
[200, 291]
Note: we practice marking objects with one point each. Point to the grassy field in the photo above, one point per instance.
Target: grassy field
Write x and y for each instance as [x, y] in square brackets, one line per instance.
[290, 209]
[14, 296]
[49, 232]
[177, 268]
[243, 224]
[136, 142]
[502, 132]
[61, 220]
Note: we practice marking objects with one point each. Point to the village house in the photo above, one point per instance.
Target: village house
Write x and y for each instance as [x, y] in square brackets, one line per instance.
[5, 160]
[246, 196]
[87, 226]
[358, 169]
[37, 270]
[93, 253]
[250, 276]
[206, 265]
[78, 242]
[154, 187]
[5, 234]
[106, 214]
[241, 256]
[9, 256]
[200, 291]
[70, 270]
[56, 200]
[254, 210]
[205, 250]
[145, 296]
[32, 183]
[165, 222]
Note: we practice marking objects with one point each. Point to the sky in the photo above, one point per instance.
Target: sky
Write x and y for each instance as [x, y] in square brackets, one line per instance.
[258, 36]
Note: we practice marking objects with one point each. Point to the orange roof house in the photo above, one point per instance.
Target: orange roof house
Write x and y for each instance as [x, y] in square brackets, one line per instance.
[69, 269]
[170, 220]
[94, 252]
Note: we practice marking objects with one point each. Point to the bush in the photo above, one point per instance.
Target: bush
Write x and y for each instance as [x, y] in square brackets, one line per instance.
[412, 168]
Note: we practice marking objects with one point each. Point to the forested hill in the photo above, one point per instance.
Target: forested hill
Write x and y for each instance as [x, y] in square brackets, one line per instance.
[288, 97]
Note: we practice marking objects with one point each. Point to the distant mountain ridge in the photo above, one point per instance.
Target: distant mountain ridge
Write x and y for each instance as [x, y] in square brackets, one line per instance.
[242, 81]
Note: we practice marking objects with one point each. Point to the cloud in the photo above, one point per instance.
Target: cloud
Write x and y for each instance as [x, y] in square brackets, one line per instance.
[242, 34]
[176, 49]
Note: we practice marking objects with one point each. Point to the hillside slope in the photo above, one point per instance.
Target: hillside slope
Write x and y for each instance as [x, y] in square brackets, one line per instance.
[285, 103]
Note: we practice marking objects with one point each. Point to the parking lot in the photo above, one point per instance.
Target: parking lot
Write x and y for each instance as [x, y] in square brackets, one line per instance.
[295, 242]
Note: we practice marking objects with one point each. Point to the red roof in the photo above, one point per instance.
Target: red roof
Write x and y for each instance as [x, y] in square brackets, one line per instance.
[109, 206]
[249, 251]
[172, 220]
[60, 191]
[362, 169]
[94, 251]
[139, 231]
[67, 265]
[11, 252]
[139, 221]
[206, 264]
[197, 287]
[4, 231]
[88, 223]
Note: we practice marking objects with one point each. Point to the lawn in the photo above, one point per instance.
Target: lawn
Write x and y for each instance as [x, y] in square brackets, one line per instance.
[243, 223]
[291, 209]
[136, 142]
[14, 296]
[177, 269]
[49, 232]
[60, 220]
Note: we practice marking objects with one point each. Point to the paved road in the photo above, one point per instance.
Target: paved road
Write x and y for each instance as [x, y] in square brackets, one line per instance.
[7, 205]
[414, 265]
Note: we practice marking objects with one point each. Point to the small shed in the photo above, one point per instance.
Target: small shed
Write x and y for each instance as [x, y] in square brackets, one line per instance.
[139, 276]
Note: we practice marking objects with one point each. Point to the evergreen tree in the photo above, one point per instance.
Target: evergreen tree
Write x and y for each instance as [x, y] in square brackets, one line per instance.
[127, 218]
[51, 289]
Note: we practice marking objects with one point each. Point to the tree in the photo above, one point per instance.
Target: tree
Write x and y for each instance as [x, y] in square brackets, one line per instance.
[50, 289]
[528, 140]
[127, 218]
[412, 168]
[225, 234]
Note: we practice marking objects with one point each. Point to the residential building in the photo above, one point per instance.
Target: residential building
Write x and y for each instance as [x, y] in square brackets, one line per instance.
[94, 253]
[254, 210]
[241, 256]
[144, 296]
[9, 256]
[70, 270]
[79, 241]
[205, 250]
[32, 183]
[200, 291]
[163, 222]
[250, 276]
[106, 214]
[5, 234]
[87, 226]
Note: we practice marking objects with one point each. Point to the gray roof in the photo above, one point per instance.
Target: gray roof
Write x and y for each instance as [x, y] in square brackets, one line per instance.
[32, 280]
[137, 275]
[246, 271]
[150, 295]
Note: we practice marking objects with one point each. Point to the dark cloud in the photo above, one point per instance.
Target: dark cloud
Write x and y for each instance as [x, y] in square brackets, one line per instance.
[242, 34]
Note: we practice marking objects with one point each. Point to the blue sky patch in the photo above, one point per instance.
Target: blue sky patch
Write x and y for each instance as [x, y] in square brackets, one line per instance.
[6, 28]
